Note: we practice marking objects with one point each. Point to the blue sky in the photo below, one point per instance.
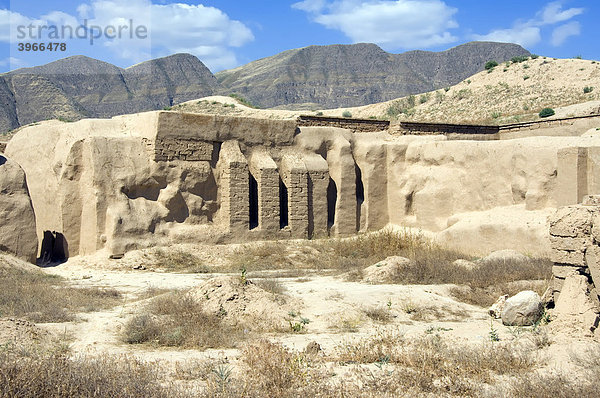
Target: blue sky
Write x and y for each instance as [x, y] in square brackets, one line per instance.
[225, 33]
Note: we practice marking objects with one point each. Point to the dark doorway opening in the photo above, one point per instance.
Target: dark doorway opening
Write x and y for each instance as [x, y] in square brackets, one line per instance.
[253, 199]
[331, 202]
[283, 205]
[360, 195]
[55, 249]
[311, 211]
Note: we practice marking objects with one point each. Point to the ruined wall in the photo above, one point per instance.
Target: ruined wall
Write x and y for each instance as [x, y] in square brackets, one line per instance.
[354, 125]
[575, 240]
[554, 127]
[164, 177]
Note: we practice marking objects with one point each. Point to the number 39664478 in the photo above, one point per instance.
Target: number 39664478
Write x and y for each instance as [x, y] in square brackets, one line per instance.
[42, 46]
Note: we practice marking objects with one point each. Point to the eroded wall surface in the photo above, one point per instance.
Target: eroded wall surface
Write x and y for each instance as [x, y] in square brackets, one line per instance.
[162, 177]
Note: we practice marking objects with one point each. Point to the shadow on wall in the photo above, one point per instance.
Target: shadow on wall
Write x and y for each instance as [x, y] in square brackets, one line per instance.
[55, 249]
[331, 203]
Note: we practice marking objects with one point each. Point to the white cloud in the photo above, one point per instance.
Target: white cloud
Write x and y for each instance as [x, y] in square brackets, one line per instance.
[172, 28]
[391, 24]
[563, 32]
[553, 13]
[12, 63]
[206, 32]
[310, 5]
[529, 33]
[524, 35]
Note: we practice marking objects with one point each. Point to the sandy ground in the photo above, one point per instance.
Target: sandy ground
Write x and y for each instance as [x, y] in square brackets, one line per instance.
[333, 305]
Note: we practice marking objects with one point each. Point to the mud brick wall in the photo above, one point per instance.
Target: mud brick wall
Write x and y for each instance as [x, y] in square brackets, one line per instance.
[575, 242]
[355, 125]
[167, 149]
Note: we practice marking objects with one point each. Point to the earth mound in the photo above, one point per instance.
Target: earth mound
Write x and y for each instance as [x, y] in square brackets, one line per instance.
[238, 300]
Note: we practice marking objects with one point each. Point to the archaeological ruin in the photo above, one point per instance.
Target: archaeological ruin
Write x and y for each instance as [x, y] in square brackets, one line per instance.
[160, 177]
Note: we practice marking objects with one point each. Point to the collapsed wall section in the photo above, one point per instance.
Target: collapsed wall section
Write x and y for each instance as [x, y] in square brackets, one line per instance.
[575, 241]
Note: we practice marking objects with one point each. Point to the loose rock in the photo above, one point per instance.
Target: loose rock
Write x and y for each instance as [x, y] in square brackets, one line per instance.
[522, 309]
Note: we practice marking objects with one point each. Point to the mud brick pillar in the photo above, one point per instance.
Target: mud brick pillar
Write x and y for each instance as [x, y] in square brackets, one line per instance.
[572, 176]
[318, 179]
[234, 186]
[342, 172]
[264, 170]
[295, 178]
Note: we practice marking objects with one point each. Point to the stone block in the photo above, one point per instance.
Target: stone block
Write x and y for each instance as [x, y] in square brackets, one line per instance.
[572, 221]
[563, 270]
[569, 244]
[568, 257]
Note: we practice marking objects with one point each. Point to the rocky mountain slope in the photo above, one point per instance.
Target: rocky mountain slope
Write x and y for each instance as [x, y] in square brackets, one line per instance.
[313, 77]
[509, 93]
[359, 74]
[79, 86]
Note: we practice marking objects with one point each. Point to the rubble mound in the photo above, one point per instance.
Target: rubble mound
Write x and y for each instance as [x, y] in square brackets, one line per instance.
[238, 300]
[386, 270]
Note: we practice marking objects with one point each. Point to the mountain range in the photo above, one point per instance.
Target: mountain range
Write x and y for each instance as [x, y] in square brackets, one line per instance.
[311, 77]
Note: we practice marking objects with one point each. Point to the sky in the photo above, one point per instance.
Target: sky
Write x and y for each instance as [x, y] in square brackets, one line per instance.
[224, 34]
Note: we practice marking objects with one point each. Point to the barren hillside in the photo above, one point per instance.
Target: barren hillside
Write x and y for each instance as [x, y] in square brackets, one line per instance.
[510, 92]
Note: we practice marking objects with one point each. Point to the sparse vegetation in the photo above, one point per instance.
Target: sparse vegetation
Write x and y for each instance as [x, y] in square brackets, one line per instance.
[588, 89]
[519, 59]
[60, 375]
[243, 101]
[546, 112]
[175, 319]
[177, 260]
[39, 297]
[347, 114]
[167, 108]
[489, 65]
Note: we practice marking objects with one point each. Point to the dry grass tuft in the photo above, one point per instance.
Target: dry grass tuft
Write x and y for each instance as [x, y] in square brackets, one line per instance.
[429, 365]
[177, 320]
[585, 383]
[40, 297]
[178, 260]
[271, 285]
[493, 279]
[275, 371]
[378, 314]
[62, 375]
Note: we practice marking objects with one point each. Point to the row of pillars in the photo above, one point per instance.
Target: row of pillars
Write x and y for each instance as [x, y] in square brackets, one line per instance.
[298, 196]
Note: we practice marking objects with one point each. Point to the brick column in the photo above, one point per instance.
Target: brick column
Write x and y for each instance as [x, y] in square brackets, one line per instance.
[233, 186]
[295, 178]
[318, 179]
[264, 170]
